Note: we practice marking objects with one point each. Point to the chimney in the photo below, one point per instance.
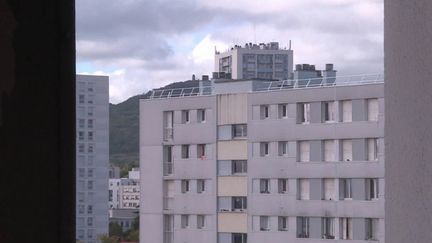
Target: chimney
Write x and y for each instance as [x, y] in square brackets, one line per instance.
[205, 77]
[329, 67]
[193, 77]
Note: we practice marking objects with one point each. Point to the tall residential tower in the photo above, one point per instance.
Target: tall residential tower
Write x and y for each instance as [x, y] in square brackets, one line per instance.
[263, 61]
[92, 157]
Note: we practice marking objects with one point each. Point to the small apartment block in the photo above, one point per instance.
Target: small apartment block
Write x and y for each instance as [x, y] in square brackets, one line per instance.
[294, 164]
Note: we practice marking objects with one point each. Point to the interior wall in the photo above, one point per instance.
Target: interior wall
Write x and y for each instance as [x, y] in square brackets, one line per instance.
[37, 121]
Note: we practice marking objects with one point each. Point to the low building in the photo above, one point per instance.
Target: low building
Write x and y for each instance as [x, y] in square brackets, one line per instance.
[123, 217]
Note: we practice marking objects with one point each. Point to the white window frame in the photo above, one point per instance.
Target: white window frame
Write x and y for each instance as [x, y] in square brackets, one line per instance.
[329, 151]
[264, 223]
[201, 115]
[329, 112]
[185, 116]
[264, 186]
[347, 150]
[346, 229]
[283, 148]
[201, 186]
[282, 223]
[304, 151]
[184, 221]
[373, 149]
[185, 186]
[200, 221]
[347, 111]
[264, 149]
[373, 109]
[282, 185]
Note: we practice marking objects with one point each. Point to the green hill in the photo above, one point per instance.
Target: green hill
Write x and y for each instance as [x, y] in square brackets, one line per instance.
[124, 128]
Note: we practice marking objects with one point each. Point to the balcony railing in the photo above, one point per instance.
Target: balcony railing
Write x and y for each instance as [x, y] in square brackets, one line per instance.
[338, 81]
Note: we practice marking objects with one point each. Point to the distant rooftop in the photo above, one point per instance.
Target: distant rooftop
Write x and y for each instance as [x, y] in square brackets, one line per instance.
[260, 46]
[260, 85]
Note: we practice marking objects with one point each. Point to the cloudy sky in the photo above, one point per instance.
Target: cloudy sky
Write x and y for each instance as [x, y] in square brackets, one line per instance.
[145, 44]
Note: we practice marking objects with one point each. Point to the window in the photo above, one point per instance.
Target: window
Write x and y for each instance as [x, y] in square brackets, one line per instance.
[239, 166]
[373, 109]
[264, 223]
[200, 186]
[303, 113]
[90, 123]
[167, 158]
[185, 116]
[304, 151]
[81, 123]
[201, 113]
[347, 150]
[264, 111]
[90, 185]
[329, 150]
[347, 111]
[201, 151]
[282, 223]
[81, 99]
[90, 160]
[81, 209]
[239, 130]
[168, 125]
[283, 111]
[81, 135]
[372, 149]
[185, 151]
[372, 188]
[329, 111]
[90, 235]
[283, 148]
[346, 229]
[264, 186]
[282, 185]
[80, 234]
[90, 173]
[264, 149]
[90, 87]
[90, 111]
[304, 187]
[371, 229]
[90, 148]
[81, 147]
[239, 238]
[185, 186]
[81, 172]
[89, 209]
[89, 221]
[184, 221]
[328, 228]
[80, 197]
[90, 136]
[346, 189]
[90, 99]
[302, 227]
[239, 203]
[200, 221]
[329, 189]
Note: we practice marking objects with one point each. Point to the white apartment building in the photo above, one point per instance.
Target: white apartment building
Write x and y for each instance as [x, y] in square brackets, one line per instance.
[253, 161]
[92, 151]
[251, 61]
[124, 193]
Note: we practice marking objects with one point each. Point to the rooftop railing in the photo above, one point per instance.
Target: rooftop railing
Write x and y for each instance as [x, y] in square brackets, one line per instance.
[338, 81]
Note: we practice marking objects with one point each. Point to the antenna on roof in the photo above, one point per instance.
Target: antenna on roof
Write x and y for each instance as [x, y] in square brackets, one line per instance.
[289, 45]
[254, 30]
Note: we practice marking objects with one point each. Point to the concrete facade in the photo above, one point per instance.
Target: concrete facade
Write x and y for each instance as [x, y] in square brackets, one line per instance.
[91, 157]
[336, 193]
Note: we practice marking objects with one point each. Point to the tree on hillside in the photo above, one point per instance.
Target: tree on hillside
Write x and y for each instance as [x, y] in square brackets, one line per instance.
[108, 239]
